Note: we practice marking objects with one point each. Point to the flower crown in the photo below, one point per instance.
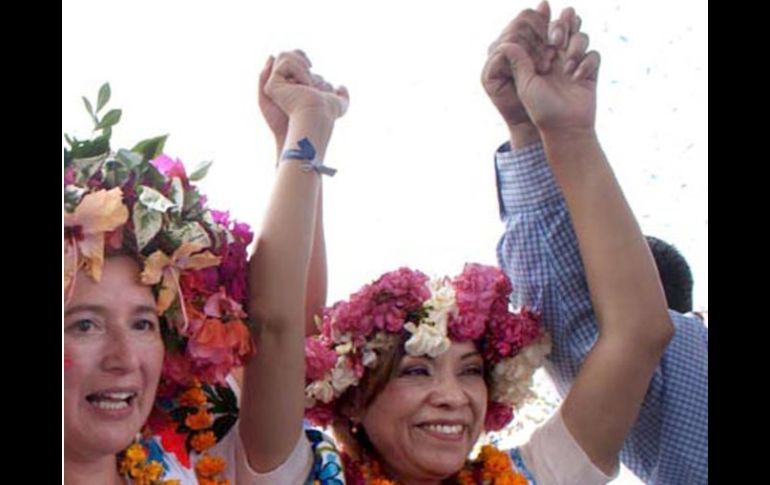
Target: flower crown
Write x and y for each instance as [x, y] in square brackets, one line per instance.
[429, 314]
[143, 203]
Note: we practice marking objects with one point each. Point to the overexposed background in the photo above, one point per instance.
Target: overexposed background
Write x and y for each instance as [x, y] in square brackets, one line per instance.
[416, 181]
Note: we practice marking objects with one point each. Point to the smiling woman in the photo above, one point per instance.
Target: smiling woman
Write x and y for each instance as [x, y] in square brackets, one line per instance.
[113, 342]
[154, 284]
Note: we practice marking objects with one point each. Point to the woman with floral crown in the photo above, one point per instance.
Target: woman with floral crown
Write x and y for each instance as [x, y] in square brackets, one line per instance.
[408, 372]
[161, 304]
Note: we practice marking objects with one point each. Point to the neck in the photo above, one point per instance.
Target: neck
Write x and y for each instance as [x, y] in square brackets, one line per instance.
[82, 471]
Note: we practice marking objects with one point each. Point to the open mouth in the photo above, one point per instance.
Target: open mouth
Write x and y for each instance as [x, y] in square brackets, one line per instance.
[112, 401]
[444, 431]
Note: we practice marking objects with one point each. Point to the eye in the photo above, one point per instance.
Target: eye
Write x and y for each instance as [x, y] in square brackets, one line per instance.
[145, 325]
[414, 371]
[82, 326]
[473, 370]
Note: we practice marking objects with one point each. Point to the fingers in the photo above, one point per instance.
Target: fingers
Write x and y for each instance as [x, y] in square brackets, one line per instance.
[578, 45]
[293, 67]
[560, 31]
[588, 69]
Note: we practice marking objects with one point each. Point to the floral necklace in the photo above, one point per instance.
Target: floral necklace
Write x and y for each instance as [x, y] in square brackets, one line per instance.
[197, 422]
[491, 467]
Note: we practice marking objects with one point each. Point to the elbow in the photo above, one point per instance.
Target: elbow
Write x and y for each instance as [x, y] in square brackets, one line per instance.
[656, 333]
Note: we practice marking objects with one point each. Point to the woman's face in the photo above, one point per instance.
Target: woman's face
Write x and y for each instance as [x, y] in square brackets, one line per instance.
[426, 420]
[113, 358]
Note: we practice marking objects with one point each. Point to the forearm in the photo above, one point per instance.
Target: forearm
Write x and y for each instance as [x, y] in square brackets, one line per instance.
[621, 274]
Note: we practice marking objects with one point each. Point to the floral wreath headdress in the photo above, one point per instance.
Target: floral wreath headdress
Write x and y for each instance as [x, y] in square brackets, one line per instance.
[429, 314]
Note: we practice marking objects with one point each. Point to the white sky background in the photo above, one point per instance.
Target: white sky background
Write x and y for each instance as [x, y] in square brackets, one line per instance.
[416, 181]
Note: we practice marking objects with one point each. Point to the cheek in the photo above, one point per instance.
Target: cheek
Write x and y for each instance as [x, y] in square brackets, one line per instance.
[478, 397]
[154, 361]
[77, 358]
[393, 410]
[479, 392]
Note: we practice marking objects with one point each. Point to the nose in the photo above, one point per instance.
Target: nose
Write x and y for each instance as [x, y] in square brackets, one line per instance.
[449, 392]
[120, 354]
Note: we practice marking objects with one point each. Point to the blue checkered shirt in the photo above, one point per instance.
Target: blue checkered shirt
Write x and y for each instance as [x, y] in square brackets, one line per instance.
[668, 445]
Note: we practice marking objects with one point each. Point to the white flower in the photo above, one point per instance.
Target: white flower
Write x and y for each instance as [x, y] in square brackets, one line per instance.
[426, 339]
[343, 349]
[319, 390]
[370, 352]
[343, 376]
[442, 303]
[512, 378]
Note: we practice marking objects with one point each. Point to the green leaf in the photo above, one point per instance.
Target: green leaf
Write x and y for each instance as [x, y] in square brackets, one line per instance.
[104, 96]
[191, 233]
[223, 424]
[222, 398]
[228, 397]
[176, 193]
[115, 173]
[150, 148]
[154, 200]
[129, 159]
[90, 110]
[179, 414]
[147, 223]
[200, 171]
[110, 119]
[85, 168]
[191, 201]
[72, 196]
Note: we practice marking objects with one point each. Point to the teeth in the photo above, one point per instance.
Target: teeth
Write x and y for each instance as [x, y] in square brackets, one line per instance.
[109, 405]
[119, 396]
[445, 428]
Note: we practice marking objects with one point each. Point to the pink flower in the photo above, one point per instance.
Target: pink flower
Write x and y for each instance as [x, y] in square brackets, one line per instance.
[319, 358]
[177, 368]
[481, 292]
[170, 168]
[351, 317]
[69, 175]
[397, 294]
[508, 334]
[219, 305]
[221, 217]
[232, 271]
[321, 414]
[498, 416]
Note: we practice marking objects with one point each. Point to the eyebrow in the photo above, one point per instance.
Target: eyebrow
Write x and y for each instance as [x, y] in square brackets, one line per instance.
[474, 353]
[101, 310]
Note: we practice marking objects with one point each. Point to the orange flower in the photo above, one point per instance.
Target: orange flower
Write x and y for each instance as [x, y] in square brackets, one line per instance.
[133, 459]
[97, 213]
[150, 474]
[209, 466]
[495, 465]
[200, 420]
[193, 397]
[465, 477]
[203, 441]
[159, 268]
[511, 479]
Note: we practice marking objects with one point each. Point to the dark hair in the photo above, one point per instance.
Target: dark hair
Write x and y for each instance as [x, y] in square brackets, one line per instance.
[674, 274]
